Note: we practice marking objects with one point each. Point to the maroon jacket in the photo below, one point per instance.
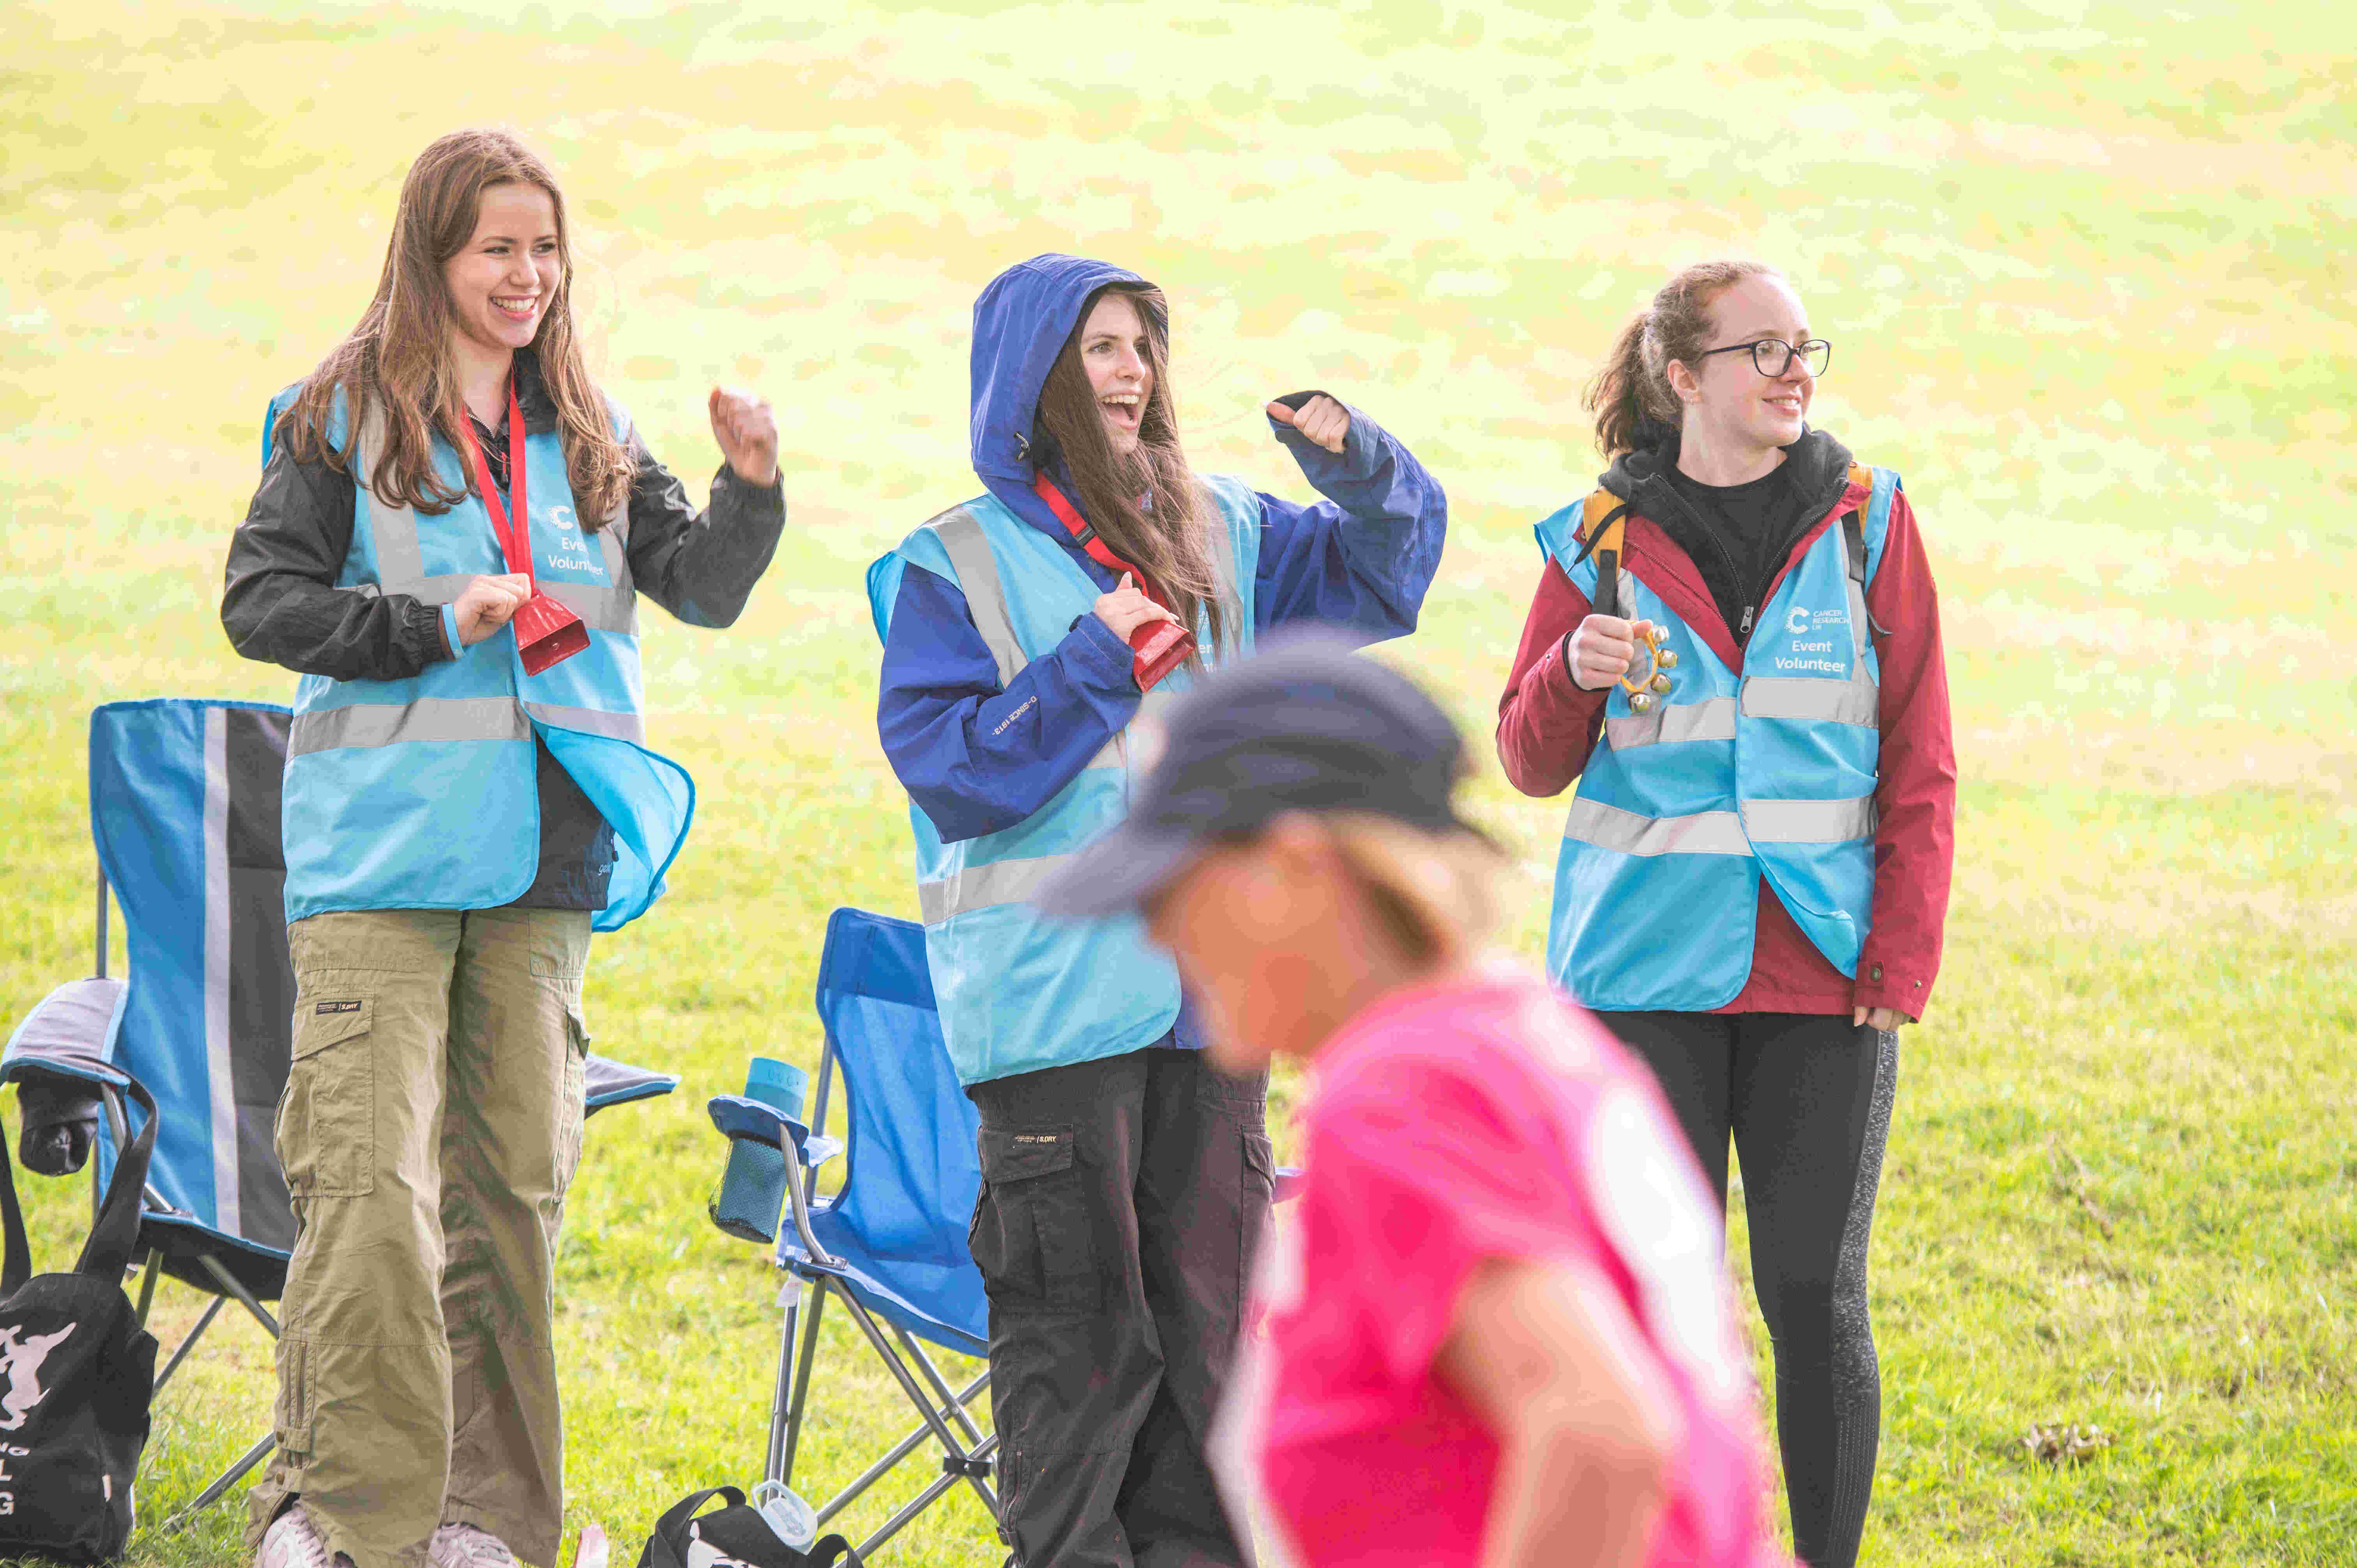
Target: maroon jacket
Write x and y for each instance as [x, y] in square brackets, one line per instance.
[1547, 727]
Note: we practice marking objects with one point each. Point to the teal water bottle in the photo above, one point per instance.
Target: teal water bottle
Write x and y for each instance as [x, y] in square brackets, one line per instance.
[753, 1186]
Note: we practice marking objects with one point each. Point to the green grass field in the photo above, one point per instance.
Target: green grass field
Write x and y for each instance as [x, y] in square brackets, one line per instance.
[2085, 270]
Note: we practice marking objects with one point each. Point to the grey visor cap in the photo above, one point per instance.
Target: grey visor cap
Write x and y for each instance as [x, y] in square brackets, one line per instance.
[1307, 727]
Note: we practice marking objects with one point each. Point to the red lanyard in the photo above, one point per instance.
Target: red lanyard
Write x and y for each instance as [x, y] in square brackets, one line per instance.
[512, 521]
[1086, 536]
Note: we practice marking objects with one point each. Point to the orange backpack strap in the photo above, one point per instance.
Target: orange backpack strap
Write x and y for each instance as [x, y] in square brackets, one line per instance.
[1854, 527]
[1603, 520]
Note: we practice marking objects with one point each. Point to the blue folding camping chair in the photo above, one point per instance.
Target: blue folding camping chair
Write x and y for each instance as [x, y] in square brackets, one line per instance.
[890, 1244]
[184, 799]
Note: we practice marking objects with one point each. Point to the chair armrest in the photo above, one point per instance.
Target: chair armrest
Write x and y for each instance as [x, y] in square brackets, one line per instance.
[607, 1082]
[70, 1034]
[738, 1117]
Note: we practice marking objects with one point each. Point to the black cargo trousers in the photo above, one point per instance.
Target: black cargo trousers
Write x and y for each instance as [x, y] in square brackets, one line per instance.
[1120, 1203]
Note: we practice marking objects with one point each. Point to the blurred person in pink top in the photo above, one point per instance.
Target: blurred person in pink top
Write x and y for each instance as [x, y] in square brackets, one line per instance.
[1494, 1328]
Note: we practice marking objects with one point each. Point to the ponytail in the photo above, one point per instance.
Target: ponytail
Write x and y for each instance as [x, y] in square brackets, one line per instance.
[1616, 394]
[1631, 396]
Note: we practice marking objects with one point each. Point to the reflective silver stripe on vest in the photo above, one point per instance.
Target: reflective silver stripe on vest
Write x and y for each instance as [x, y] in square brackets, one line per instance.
[977, 572]
[1808, 821]
[1711, 719]
[590, 721]
[614, 540]
[1835, 702]
[392, 529]
[1609, 827]
[387, 724]
[600, 608]
[980, 886]
[400, 560]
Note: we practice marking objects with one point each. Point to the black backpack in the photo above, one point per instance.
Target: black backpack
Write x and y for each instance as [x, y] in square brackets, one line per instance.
[737, 1532]
[76, 1371]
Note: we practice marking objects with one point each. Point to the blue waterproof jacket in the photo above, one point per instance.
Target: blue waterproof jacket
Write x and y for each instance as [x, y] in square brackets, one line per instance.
[981, 753]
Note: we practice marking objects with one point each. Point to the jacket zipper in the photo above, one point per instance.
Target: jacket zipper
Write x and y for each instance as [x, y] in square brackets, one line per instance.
[1734, 571]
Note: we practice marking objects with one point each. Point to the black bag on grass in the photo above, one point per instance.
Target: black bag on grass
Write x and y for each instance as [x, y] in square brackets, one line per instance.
[737, 1532]
[76, 1371]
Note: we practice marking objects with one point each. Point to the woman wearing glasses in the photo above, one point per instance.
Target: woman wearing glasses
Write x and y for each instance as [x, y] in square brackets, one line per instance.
[1735, 650]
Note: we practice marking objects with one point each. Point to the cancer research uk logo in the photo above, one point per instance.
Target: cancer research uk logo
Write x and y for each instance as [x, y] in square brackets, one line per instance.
[1817, 646]
[572, 546]
[20, 1363]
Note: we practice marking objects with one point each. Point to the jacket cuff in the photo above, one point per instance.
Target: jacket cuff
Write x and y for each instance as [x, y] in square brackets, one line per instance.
[764, 503]
[1555, 670]
[1880, 985]
[437, 626]
[1363, 448]
[1100, 657]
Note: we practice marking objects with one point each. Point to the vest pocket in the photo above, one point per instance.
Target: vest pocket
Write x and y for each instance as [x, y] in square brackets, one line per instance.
[1033, 1235]
[327, 1126]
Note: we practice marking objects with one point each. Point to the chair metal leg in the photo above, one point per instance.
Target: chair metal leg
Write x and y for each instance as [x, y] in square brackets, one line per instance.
[228, 1479]
[148, 1275]
[952, 1406]
[212, 1310]
[909, 1386]
[228, 1281]
[900, 1451]
[786, 1410]
[920, 1503]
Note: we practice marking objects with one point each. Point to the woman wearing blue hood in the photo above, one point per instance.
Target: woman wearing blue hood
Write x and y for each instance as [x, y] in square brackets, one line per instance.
[1123, 1179]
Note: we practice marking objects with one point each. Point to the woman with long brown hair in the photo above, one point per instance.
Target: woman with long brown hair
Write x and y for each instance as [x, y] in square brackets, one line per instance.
[1024, 630]
[1735, 650]
[451, 531]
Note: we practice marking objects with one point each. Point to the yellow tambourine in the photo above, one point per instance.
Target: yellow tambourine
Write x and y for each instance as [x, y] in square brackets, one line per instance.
[1657, 677]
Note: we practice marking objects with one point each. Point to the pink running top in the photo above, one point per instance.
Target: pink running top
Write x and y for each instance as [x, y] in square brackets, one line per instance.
[1480, 1118]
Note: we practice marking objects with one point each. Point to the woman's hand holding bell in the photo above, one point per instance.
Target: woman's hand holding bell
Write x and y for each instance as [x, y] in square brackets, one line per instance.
[1127, 609]
[487, 603]
[1601, 650]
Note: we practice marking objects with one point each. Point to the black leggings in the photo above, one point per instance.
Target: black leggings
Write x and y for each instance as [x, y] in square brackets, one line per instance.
[1807, 1100]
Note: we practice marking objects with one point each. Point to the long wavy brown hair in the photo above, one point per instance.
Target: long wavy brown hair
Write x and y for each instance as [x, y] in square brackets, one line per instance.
[1147, 505]
[399, 356]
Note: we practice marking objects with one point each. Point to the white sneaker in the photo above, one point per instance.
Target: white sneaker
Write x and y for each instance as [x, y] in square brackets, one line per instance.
[293, 1541]
[464, 1546]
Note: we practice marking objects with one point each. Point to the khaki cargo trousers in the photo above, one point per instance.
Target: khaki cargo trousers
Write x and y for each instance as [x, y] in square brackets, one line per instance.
[431, 1125]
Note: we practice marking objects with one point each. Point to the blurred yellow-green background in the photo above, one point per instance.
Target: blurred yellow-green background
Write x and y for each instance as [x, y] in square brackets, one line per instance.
[2085, 268]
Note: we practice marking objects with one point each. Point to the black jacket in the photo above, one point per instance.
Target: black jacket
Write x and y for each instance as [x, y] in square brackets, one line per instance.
[1738, 562]
[281, 603]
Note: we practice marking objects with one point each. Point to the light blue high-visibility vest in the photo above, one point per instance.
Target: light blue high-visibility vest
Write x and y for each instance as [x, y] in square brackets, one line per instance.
[1726, 779]
[1019, 991]
[423, 793]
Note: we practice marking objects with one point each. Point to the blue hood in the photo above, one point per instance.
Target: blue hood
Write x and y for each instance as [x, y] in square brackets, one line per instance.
[1019, 326]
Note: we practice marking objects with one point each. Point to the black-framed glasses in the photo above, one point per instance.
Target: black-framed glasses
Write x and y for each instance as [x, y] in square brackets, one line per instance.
[1771, 357]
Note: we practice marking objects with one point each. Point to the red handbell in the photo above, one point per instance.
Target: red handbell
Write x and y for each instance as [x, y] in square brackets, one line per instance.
[547, 633]
[1157, 649]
